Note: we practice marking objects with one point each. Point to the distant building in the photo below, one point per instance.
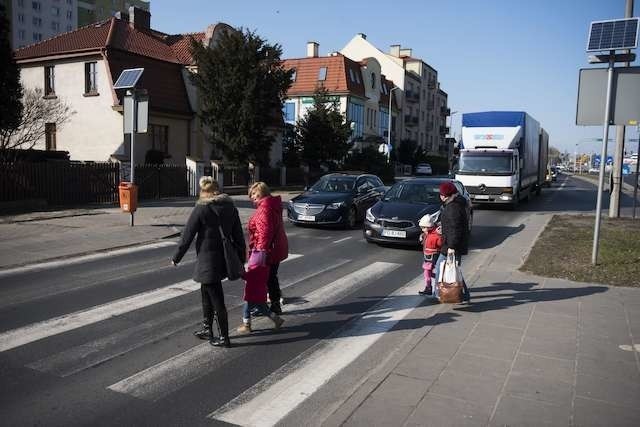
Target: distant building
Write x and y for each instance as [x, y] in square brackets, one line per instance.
[421, 100]
[80, 68]
[90, 11]
[33, 21]
[358, 88]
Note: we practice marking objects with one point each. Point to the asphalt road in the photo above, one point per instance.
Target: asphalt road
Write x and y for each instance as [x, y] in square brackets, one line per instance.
[109, 342]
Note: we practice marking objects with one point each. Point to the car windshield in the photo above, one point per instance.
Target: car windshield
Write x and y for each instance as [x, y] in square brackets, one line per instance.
[484, 163]
[413, 193]
[334, 184]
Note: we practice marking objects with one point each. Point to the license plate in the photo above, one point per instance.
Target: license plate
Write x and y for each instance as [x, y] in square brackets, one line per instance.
[482, 197]
[306, 217]
[394, 233]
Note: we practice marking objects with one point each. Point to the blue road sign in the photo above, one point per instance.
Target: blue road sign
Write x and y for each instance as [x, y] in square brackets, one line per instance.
[596, 161]
[626, 169]
[609, 160]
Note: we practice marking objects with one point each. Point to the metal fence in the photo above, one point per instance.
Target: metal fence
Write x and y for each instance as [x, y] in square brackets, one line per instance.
[158, 181]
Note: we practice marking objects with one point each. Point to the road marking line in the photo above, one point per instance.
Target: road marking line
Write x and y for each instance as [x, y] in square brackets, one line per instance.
[57, 325]
[169, 376]
[342, 240]
[87, 355]
[273, 398]
[84, 258]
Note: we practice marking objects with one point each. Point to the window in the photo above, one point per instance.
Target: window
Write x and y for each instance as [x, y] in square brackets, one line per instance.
[37, 37]
[36, 5]
[55, 26]
[373, 81]
[69, 14]
[21, 18]
[322, 74]
[49, 78]
[90, 77]
[21, 34]
[159, 138]
[50, 136]
[289, 112]
[21, 3]
[55, 11]
[294, 74]
[355, 114]
[357, 73]
[69, 1]
[69, 28]
[352, 76]
[37, 22]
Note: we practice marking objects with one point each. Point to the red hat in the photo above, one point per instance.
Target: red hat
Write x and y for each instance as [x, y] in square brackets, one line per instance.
[447, 189]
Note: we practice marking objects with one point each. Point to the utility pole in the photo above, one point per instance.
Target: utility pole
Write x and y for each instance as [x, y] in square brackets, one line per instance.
[618, 157]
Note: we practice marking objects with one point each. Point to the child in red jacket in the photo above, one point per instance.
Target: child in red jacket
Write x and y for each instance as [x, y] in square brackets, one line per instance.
[431, 244]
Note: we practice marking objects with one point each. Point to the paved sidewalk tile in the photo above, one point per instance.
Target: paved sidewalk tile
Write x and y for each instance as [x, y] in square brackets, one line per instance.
[614, 391]
[480, 390]
[438, 411]
[545, 388]
[529, 364]
[593, 413]
[514, 411]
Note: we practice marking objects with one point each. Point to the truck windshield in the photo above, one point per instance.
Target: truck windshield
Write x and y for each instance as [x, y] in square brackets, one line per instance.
[485, 163]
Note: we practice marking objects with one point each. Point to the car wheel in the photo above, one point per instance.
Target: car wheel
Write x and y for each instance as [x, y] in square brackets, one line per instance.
[352, 219]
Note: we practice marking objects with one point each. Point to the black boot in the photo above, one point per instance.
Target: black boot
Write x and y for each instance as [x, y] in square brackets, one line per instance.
[205, 332]
[220, 342]
[276, 308]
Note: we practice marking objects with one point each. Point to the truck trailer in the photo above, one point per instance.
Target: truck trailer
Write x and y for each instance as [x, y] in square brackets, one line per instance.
[503, 156]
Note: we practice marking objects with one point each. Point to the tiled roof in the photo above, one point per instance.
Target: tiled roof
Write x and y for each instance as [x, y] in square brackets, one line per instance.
[337, 78]
[115, 34]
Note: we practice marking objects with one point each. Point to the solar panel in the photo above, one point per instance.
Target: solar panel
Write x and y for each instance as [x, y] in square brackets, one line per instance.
[613, 34]
[128, 78]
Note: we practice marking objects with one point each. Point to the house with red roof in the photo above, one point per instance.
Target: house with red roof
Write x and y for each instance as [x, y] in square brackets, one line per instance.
[80, 68]
[359, 89]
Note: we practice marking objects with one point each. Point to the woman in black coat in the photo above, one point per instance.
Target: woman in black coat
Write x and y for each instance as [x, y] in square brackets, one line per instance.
[455, 227]
[212, 209]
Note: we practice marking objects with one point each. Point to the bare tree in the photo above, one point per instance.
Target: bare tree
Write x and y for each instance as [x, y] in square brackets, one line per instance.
[37, 111]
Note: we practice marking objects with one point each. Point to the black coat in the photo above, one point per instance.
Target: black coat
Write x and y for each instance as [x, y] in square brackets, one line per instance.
[203, 223]
[455, 226]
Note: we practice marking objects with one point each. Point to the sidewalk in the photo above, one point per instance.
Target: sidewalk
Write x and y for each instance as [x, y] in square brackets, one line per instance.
[45, 236]
[527, 351]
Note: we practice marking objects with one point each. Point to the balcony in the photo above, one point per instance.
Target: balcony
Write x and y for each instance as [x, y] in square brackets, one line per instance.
[444, 111]
[412, 96]
[432, 84]
[444, 130]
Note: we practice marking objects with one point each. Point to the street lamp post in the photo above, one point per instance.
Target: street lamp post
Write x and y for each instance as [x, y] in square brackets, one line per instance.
[389, 128]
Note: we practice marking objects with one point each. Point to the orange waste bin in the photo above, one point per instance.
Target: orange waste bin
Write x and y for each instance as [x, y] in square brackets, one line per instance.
[128, 196]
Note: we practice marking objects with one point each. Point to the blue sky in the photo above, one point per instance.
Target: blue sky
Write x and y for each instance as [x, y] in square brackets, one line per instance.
[490, 54]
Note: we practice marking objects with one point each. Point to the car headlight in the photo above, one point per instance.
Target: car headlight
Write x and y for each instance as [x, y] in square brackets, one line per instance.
[369, 216]
[336, 205]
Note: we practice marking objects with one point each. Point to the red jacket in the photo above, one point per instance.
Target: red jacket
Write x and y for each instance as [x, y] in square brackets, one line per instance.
[266, 230]
[432, 242]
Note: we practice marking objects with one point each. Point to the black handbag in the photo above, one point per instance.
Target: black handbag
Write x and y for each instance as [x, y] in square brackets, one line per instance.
[235, 266]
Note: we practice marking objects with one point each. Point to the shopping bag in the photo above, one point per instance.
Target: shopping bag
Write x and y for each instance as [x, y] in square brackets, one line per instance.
[450, 282]
[255, 287]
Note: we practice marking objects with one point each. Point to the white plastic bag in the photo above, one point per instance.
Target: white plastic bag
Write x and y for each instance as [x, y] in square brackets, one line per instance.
[450, 281]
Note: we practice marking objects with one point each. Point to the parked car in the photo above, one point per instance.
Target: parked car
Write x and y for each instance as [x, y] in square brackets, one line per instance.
[394, 219]
[423, 169]
[336, 198]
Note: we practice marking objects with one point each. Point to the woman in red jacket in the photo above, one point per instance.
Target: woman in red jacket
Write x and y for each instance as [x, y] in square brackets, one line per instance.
[268, 244]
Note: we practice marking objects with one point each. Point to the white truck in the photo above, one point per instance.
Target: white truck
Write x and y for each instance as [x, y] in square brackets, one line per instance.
[503, 156]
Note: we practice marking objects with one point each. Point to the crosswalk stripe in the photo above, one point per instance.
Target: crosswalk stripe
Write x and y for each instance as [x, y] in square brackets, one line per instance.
[273, 398]
[98, 351]
[36, 331]
[166, 377]
[87, 355]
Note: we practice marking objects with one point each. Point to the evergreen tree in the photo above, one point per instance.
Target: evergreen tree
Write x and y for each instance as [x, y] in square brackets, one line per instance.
[10, 89]
[242, 85]
[323, 133]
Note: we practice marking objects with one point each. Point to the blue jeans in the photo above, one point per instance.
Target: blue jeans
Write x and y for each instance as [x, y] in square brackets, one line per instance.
[439, 265]
[248, 306]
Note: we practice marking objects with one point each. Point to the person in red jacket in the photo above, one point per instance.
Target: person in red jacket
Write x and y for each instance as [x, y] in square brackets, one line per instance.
[267, 237]
[431, 244]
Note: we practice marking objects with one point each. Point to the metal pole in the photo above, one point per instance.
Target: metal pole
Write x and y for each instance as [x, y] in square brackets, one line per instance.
[635, 184]
[616, 169]
[134, 113]
[389, 130]
[605, 139]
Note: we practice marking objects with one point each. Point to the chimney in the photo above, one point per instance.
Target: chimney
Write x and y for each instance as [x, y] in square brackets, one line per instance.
[139, 18]
[123, 16]
[363, 35]
[405, 52]
[395, 50]
[312, 49]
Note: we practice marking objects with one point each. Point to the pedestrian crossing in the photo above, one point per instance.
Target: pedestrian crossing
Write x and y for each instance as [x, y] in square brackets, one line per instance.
[337, 279]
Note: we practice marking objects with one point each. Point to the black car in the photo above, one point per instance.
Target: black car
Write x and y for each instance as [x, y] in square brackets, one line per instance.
[337, 198]
[394, 219]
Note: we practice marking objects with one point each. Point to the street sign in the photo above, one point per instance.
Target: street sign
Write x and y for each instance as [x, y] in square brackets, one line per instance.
[626, 169]
[609, 160]
[592, 92]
